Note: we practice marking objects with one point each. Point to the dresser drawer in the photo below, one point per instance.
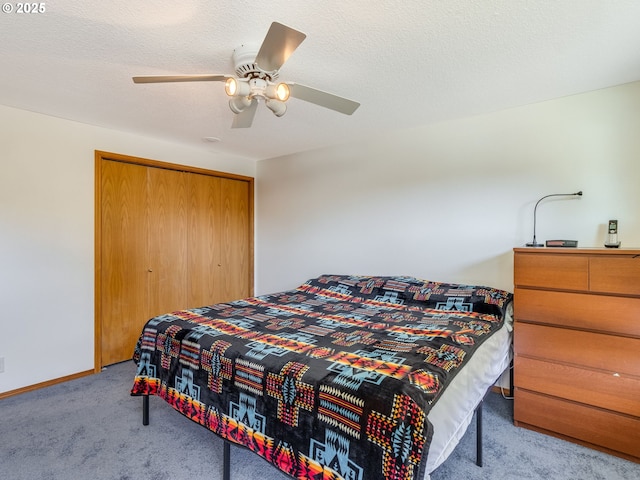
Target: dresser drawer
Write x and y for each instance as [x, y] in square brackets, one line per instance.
[594, 350]
[619, 315]
[565, 272]
[620, 393]
[599, 427]
[620, 274]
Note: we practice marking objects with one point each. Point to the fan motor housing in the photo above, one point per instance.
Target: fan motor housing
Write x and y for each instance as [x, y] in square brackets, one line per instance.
[245, 65]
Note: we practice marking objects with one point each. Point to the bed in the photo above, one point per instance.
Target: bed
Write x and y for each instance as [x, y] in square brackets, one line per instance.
[345, 377]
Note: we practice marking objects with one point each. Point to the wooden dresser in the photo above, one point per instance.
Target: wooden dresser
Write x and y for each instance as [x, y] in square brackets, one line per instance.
[577, 346]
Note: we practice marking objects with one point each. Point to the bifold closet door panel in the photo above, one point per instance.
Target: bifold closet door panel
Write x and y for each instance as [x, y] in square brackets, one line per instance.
[235, 240]
[167, 240]
[203, 239]
[219, 240]
[124, 259]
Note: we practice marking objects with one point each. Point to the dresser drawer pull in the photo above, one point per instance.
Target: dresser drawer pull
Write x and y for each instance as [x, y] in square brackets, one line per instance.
[616, 374]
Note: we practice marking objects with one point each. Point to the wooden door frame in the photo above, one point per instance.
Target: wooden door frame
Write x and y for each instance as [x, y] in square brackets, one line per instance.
[99, 157]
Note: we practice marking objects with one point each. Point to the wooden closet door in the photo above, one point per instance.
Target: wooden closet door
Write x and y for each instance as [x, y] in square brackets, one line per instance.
[219, 240]
[123, 259]
[204, 248]
[235, 240]
[167, 241]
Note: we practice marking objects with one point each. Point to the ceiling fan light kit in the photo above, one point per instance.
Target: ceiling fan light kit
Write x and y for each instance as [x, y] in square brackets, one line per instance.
[276, 106]
[239, 104]
[244, 90]
[257, 70]
[233, 87]
[278, 91]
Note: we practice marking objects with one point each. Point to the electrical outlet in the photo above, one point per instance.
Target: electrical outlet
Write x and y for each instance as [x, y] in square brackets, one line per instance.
[1, 364]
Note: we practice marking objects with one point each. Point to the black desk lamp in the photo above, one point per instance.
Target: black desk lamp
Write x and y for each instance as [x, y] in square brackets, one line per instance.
[534, 243]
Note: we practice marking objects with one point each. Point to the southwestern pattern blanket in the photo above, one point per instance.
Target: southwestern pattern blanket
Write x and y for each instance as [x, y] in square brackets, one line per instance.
[331, 380]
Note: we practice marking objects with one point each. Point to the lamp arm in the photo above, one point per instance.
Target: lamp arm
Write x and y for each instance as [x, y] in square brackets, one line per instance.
[579, 194]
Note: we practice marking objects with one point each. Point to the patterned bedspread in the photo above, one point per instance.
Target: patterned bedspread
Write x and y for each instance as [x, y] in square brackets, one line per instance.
[332, 380]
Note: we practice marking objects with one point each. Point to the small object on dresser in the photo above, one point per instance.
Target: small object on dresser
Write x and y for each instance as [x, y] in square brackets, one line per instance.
[612, 235]
[562, 243]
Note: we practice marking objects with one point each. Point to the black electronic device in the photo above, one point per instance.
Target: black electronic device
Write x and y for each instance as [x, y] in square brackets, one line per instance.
[612, 235]
[562, 243]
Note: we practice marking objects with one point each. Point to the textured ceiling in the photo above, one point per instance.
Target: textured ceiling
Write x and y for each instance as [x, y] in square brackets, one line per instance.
[408, 62]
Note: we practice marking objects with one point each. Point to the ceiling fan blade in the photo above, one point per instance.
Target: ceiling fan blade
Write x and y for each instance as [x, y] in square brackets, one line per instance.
[280, 42]
[180, 78]
[244, 119]
[323, 99]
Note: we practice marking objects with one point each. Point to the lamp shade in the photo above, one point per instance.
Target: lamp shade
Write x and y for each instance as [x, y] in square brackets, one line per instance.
[238, 104]
[278, 91]
[235, 87]
[276, 106]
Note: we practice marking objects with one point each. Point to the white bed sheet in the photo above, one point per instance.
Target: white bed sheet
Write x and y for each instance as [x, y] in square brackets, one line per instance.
[453, 412]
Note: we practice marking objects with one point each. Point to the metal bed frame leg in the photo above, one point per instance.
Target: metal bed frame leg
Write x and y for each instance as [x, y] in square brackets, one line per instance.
[512, 392]
[226, 452]
[479, 434]
[145, 410]
[479, 417]
[226, 457]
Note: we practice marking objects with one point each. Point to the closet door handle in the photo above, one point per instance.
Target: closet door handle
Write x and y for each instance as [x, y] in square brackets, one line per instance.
[150, 270]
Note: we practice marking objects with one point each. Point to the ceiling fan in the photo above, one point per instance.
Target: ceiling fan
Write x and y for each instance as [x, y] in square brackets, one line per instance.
[257, 71]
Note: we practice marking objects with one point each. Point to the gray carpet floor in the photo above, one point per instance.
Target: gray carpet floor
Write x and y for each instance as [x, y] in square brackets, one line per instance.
[91, 428]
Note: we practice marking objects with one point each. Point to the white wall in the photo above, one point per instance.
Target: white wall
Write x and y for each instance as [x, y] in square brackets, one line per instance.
[47, 237]
[444, 202]
[450, 201]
